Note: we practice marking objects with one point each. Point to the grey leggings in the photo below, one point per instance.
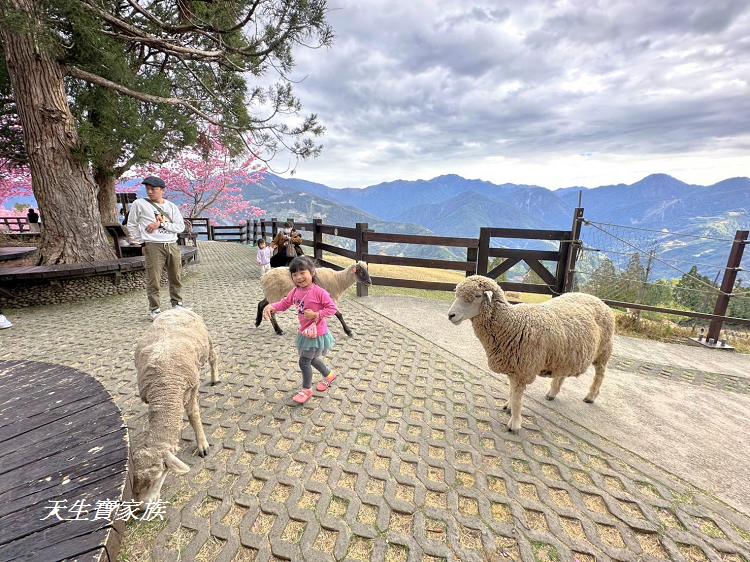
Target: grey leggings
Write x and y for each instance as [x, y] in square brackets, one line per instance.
[304, 365]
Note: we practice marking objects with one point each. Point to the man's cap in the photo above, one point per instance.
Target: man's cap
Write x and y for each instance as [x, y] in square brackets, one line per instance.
[153, 180]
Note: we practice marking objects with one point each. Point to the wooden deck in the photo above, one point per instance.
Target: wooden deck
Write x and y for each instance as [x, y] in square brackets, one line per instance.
[136, 263]
[61, 438]
[16, 253]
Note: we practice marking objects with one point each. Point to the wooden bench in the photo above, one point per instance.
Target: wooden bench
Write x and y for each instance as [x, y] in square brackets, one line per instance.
[16, 252]
[62, 439]
[17, 274]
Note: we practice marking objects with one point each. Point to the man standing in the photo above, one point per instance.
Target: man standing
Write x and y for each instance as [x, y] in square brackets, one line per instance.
[156, 222]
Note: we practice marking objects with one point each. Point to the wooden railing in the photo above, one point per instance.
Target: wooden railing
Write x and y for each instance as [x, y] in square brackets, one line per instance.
[15, 224]
[477, 250]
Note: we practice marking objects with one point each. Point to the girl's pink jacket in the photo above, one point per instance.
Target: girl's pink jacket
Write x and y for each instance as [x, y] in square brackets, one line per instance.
[314, 298]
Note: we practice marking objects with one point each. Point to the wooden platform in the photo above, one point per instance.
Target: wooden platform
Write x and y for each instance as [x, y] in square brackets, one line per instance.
[18, 274]
[62, 437]
[16, 253]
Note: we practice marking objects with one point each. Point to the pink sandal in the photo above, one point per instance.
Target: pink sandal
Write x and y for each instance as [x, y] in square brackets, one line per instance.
[303, 395]
[326, 383]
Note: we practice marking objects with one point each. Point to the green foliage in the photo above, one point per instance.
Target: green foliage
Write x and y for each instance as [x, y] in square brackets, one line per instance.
[166, 58]
[602, 280]
[739, 304]
[695, 291]
[494, 262]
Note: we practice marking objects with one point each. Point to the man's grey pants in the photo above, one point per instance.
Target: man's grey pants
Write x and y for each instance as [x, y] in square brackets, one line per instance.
[158, 256]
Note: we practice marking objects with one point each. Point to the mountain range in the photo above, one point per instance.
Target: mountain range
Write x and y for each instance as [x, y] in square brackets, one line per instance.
[627, 218]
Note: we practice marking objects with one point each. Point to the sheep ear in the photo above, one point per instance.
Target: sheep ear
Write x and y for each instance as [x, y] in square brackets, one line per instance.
[488, 296]
[174, 464]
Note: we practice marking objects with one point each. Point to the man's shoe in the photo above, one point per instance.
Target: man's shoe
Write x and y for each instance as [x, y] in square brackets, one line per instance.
[179, 305]
[4, 322]
[154, 313]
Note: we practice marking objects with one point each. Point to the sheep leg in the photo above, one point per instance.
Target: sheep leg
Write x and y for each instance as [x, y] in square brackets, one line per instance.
[276, 327]
[259, 316]
[194, 415]
[596, 385]
[343, 324]
[516, 395]
[554, 388]
[214, 362]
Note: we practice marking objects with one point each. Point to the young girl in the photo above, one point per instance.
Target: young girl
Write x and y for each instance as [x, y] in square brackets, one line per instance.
[314, 341]
[264, 257]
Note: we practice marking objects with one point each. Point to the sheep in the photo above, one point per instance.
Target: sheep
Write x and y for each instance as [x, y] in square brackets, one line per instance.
[278, 282]
[558, 338]
[168, 359]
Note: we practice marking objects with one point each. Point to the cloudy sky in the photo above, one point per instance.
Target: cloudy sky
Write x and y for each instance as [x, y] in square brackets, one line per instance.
[553, 93]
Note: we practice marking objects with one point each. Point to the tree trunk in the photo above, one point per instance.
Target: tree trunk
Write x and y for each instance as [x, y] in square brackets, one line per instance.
[105, 182]
[63, 187]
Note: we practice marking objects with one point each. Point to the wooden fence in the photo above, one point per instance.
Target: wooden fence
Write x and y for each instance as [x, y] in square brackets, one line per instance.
[14, 224]
[477, 251]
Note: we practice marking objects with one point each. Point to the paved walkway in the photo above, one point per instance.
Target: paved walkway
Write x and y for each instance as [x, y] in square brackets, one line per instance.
[407, 458]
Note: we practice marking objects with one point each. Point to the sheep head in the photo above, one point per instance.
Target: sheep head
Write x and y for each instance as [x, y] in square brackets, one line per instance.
[473, 295]
[361, 273]
[150, 468]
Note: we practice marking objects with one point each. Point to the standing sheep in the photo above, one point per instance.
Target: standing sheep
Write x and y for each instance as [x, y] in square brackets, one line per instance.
[558, 338]
[278, 282]
[168, 359]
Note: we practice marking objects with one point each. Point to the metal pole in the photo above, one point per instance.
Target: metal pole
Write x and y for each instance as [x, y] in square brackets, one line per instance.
[573, 247]
[727, 284]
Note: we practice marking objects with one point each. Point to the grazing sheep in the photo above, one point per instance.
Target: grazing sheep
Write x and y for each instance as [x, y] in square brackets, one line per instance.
[168, 358]
[558, 338]
[278, 282]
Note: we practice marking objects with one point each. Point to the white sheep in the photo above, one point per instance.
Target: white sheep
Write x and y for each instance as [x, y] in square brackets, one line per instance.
[278, 282]
[168, 358]
[558, 338]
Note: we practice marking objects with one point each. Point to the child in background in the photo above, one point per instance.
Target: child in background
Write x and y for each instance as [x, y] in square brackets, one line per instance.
[314, 341]
[264, 256]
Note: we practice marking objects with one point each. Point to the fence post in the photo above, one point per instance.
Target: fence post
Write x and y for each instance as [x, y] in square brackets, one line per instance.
[263, 229]
[483, 255]
[471, 256]
[274, 227]
[361, 250]
[571, 255]
[210, 230]
[243, 232]
[317, 239]
[727, 285]
[255, 230]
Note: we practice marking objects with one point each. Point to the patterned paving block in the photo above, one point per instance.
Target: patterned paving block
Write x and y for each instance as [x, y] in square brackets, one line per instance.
[406, 458]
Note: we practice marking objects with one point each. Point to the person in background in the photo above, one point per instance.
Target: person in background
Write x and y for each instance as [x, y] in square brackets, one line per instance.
[157, 222]
[264, 256]
[33, 217]
[295, 241]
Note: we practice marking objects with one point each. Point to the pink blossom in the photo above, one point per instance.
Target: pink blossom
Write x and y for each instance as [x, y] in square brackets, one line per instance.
[14, 182]
[209, 185]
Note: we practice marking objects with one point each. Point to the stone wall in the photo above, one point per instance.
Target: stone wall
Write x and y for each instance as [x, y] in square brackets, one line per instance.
[36, 292]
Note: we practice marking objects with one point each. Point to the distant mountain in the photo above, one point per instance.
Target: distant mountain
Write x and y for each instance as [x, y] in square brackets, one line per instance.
[454, 206]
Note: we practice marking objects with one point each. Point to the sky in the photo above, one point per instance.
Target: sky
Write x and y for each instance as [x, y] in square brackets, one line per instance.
[550, 93]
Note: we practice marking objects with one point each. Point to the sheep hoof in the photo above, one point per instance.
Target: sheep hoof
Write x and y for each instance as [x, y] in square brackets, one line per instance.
[203, 451]
[549, 397]
[214, 383]
[350, 334]
[280, 333]
[588, 400]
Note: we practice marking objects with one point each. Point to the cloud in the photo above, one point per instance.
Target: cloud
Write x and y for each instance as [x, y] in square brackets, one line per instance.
[426, 85]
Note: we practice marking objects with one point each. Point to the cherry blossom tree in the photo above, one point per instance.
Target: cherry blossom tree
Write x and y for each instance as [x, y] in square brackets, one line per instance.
[14, 182]
[209, 183]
